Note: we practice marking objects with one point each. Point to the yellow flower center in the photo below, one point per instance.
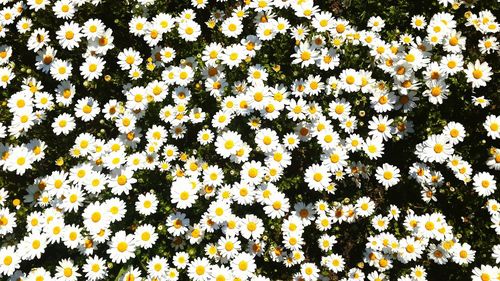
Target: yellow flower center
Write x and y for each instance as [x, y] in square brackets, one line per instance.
[477, 74]
[96, 216]
[350, 79]
[69, 35]
[438, 148]
[253, 172]
[122, 246]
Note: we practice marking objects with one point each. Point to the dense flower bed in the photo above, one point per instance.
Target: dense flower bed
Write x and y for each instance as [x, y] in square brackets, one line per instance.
[249, 140]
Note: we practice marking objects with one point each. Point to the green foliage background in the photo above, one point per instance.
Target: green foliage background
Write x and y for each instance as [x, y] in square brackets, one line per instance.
[461, 206]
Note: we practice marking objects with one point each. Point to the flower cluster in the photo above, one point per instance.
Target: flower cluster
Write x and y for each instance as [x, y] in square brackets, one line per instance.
[254, 140]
